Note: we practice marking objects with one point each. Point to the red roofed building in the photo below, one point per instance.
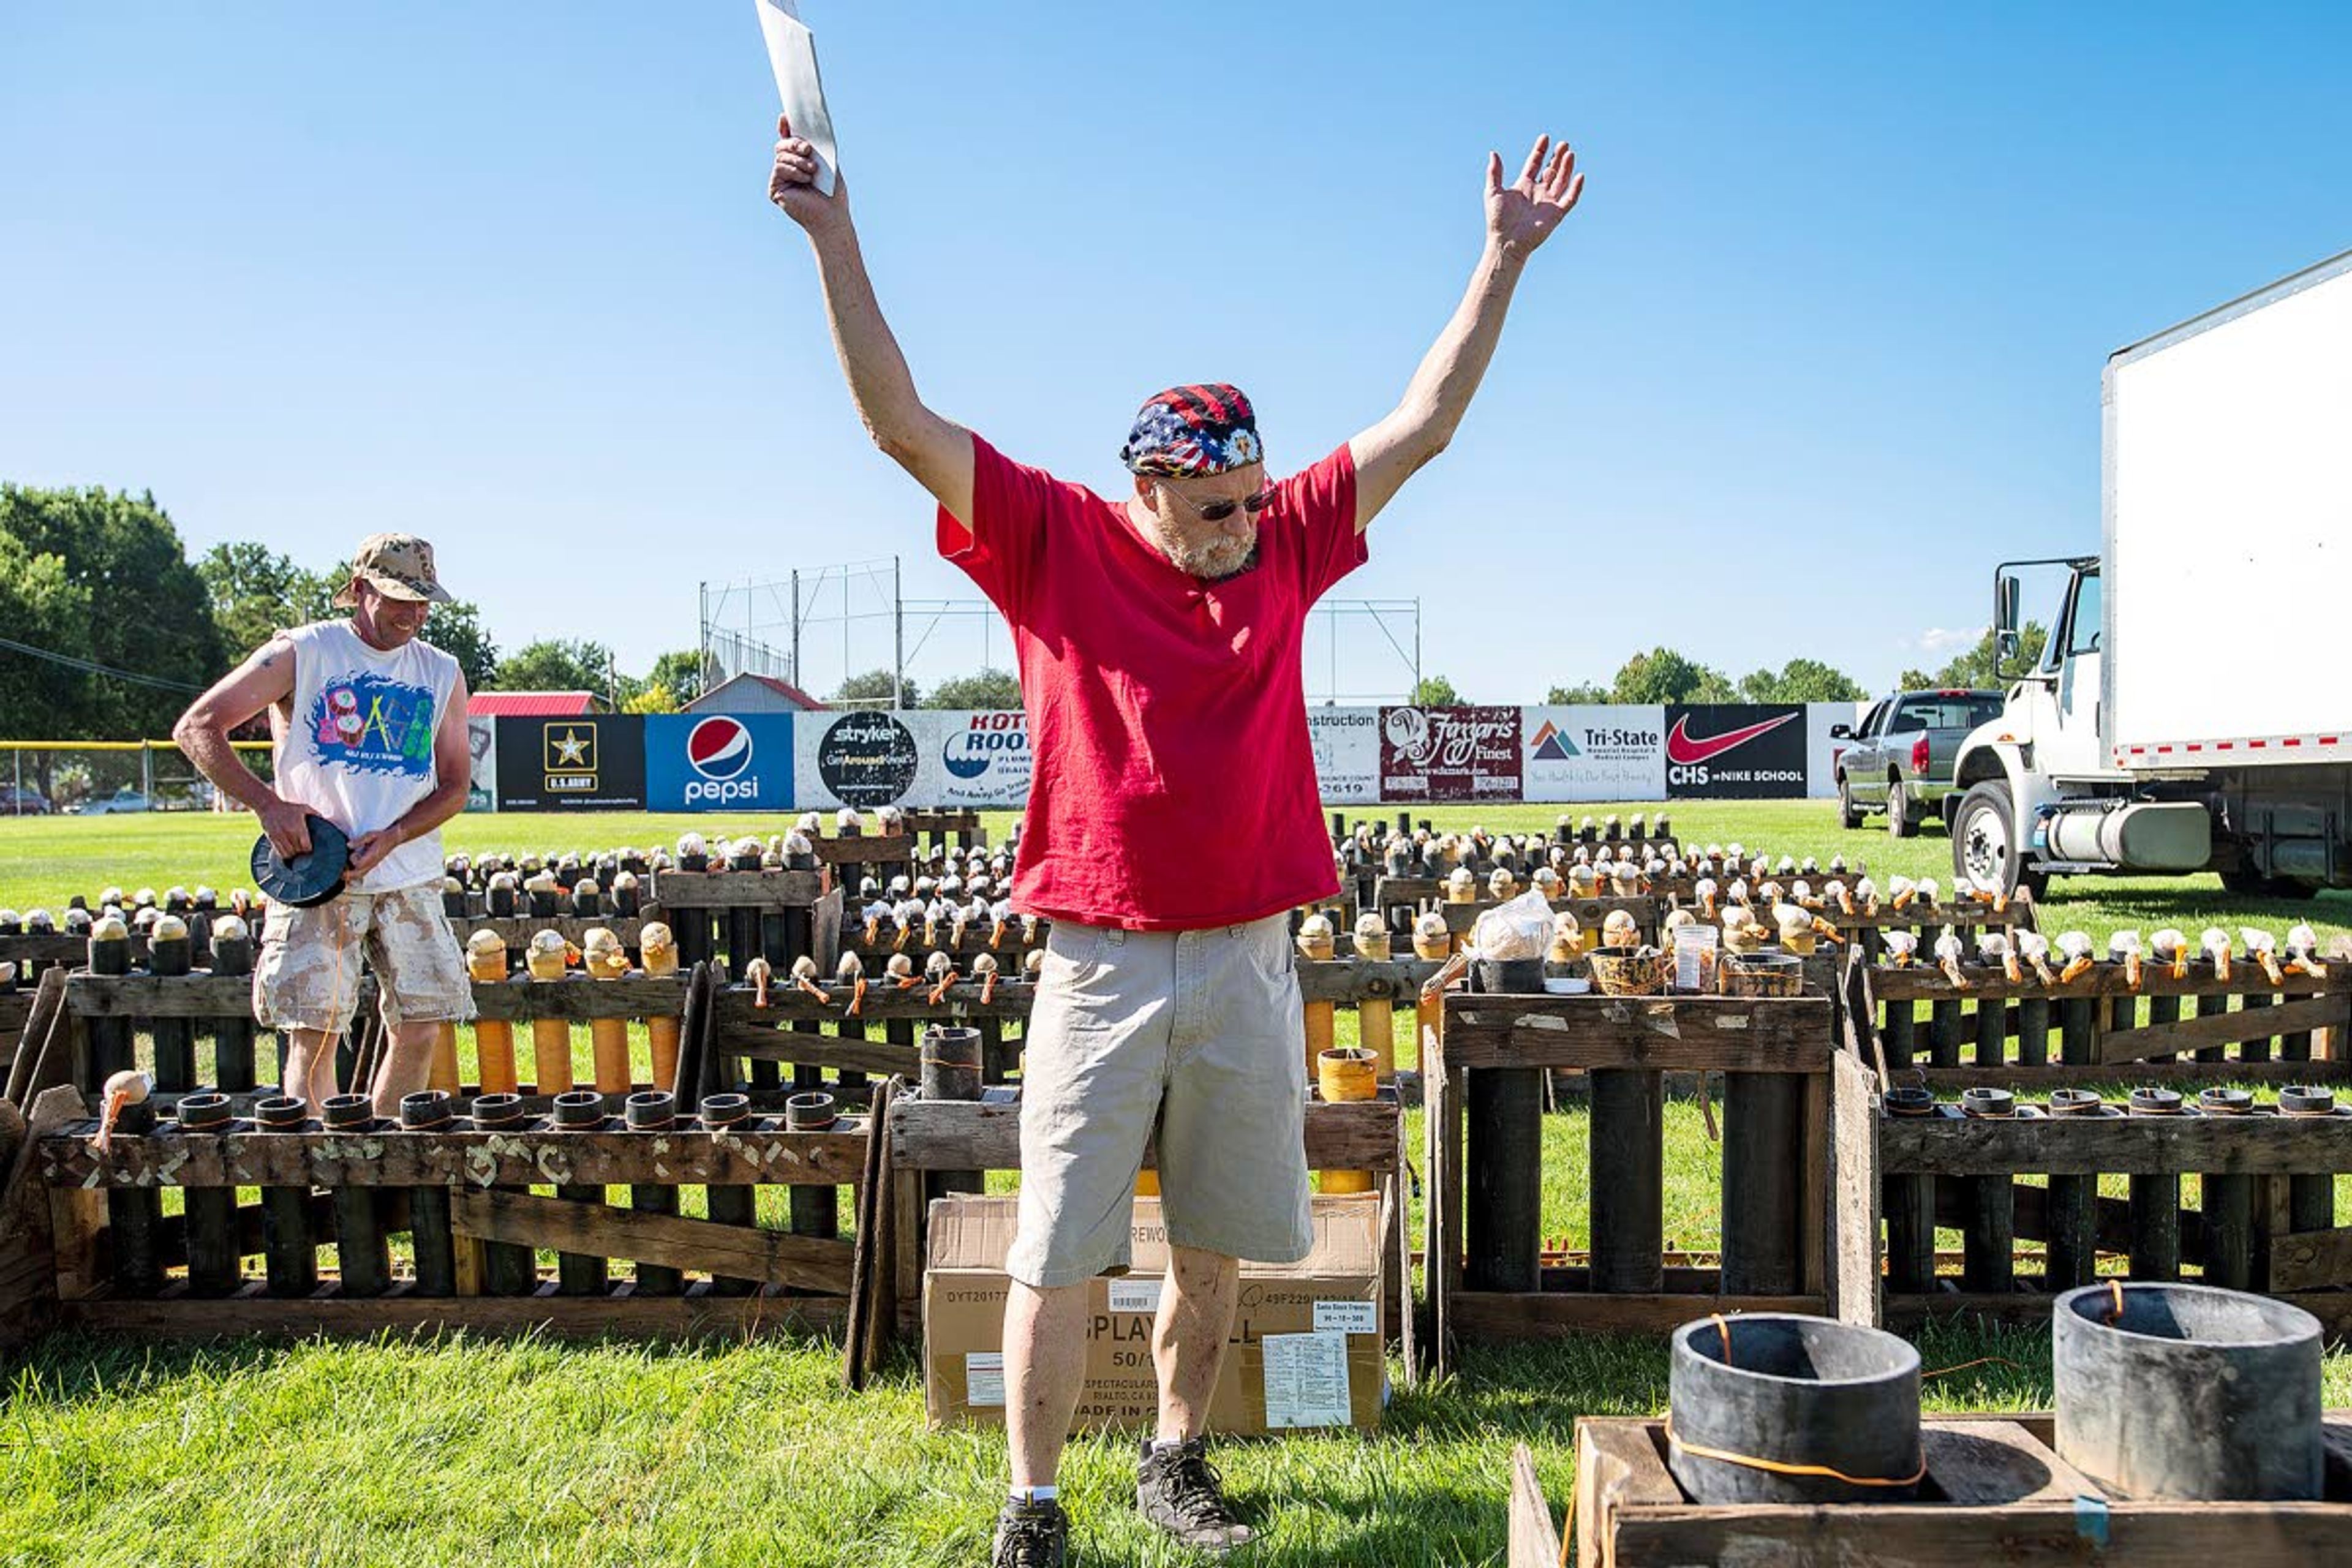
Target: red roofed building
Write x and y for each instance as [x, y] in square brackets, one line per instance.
[749, 693]
[529, 704]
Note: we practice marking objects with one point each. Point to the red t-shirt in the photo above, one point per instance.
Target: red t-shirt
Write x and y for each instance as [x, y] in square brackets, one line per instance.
[1173, 786]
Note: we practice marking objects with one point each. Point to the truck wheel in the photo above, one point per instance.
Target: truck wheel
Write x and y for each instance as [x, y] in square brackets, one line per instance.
[1899, 822]
[1983, 856]
[1849, 814]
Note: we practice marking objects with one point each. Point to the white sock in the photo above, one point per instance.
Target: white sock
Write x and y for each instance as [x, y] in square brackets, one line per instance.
[1166, 1445]
[1035, 1494]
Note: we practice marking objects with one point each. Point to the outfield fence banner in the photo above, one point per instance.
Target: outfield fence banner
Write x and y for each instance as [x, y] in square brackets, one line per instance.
[1612, 752]
[1347, 742]
[482, 746]
[593, 762]
[954, 758]
[1450, 753]
[720, 761]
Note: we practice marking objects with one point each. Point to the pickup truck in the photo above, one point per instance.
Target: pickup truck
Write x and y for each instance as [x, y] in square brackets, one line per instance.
[1899, 760]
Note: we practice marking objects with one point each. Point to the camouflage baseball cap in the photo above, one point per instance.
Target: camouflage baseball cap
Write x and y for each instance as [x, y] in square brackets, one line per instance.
[400, 564]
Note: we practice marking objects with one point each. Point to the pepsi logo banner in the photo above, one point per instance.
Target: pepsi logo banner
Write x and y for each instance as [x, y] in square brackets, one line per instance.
[1736, 751]
[716, 762]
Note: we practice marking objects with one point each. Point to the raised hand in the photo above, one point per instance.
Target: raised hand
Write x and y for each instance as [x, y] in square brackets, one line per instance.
[792, 183]
[1521, 217]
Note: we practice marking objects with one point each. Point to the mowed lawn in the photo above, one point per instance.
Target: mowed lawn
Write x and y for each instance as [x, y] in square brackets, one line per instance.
[528, 1452]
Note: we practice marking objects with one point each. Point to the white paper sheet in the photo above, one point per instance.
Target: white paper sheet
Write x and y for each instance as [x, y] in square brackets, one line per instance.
[984, 1378]
[1306, 1380]
[791, 51]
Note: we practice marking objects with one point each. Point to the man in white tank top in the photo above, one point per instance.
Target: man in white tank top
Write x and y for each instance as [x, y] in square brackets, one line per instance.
[369, 723]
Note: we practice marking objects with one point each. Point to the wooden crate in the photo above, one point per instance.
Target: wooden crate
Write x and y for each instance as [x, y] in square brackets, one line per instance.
[1996, 1492]
[2035, 1037]
[2264, 1218]
[1780, 1056]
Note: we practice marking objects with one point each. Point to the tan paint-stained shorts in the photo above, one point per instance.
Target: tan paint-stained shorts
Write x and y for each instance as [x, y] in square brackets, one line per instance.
[307, 975]
[1199, 1033]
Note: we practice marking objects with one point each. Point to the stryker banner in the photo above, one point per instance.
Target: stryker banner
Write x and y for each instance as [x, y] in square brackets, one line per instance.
[714, 761]
[1744, 750]
[1450, 753]
[1616, 752]
[594, 761]
[1347, 742]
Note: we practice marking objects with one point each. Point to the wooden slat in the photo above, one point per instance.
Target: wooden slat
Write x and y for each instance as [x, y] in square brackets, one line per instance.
[1853, 1273]
[739, 890]
[2118, 1145]
[764, 1043]
[737, 1252]
[1669, 1034]
[2311, 1260]
[397, 1158]
[1499, 1316]
[693, 1315]
[206, 995]
[972, 1135]
[867, 849]
[1351, 980]
[2224, 1028]
[1534, 1540]
[1906, 1312]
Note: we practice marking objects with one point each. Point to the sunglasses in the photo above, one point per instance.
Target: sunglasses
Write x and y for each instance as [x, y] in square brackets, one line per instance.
[1218, 510]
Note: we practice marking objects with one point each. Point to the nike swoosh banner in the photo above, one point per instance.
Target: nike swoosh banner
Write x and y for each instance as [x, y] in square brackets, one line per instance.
[1735, 751]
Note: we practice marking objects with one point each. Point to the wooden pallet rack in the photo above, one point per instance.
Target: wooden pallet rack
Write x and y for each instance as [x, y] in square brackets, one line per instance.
[1996, 1492]
[1481, 1084]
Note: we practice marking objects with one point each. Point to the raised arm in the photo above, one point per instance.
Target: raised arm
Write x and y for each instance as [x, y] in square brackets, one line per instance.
[936, 451]
[264, 678]
[1519, 218]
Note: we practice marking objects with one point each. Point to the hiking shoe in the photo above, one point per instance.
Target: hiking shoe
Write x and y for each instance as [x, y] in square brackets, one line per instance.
[1031, 1536]
[1179, 1491]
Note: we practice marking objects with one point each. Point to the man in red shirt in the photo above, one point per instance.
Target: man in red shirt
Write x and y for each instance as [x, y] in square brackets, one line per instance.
[1173, 824]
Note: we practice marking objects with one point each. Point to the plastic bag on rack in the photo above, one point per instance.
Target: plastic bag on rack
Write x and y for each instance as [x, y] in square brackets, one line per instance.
[1520, 928]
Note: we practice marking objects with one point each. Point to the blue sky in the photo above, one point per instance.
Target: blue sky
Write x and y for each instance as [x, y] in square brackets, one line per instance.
[1821, 344]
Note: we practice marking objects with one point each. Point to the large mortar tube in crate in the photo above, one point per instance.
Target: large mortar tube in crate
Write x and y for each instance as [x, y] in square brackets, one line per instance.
[109, 1035]
[170, 955]
[654, 1111]
[1771, 1407]
[2072, 1255]
[362, 1251]
[734, 1204]
[1504, 1229]
[815, 1211]
[2189, 1393]
[289, 1249]
[1375, 1016]
[605, 960]
[951, 1070]
[657, 948]
[1343, 1074]
[2155, 1202]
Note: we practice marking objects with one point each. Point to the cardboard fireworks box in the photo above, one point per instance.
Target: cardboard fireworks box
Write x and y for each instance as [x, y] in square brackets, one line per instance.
[1305, 1349]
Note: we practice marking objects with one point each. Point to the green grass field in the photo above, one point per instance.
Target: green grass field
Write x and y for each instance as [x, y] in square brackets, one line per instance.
[527, 1452]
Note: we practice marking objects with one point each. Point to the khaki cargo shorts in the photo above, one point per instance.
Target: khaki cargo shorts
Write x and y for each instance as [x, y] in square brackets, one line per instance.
[1197, 1035]
[307, 975]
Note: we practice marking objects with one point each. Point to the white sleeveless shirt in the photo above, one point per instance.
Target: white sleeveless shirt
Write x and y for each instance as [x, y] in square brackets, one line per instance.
[359, 748]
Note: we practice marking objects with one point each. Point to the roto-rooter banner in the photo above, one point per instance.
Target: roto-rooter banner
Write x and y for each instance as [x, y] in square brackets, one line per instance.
[589, 762]
[1450, 753]
[918, 758]
[1612, 752]
[1347, 742]
[713, 762]
[1747, 750]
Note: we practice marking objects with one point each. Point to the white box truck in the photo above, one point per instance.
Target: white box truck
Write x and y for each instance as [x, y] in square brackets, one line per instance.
[2190, 712]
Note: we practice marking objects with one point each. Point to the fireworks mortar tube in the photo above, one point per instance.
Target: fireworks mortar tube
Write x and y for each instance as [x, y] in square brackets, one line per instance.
[659, 949]
[1317, 945]
[546, 959]
[494, 1051]
[1375, 1016]
[1344, 1074]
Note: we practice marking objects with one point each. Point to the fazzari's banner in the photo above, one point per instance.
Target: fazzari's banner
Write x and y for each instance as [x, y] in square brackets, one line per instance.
[1615, 752]
[1450, 753]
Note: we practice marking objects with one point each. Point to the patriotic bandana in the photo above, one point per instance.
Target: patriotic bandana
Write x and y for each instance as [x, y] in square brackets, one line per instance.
[1188, 431]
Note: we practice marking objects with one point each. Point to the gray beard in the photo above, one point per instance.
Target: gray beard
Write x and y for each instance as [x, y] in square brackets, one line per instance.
[1212, 560]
